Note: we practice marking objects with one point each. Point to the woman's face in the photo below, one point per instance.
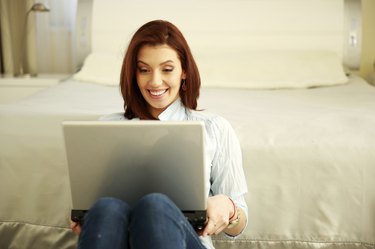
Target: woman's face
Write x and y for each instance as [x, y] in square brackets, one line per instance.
[159, 75]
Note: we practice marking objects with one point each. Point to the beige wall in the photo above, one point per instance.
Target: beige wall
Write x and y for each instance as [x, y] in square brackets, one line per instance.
[368, 42]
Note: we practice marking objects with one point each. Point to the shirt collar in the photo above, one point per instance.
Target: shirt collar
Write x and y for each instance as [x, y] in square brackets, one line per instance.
[176, 111]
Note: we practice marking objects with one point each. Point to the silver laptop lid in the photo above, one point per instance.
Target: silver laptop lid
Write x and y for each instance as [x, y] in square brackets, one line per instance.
[129, 159]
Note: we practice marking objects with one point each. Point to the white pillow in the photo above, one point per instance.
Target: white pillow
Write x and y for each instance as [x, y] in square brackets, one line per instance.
[271, 69]
[101, 68]
[258, 69]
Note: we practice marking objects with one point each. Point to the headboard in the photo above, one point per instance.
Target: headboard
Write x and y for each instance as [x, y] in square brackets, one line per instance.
[225, 30]
[226, 25]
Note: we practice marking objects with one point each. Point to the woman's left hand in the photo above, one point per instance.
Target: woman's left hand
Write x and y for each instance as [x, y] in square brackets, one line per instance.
[219, 209]
[76, 228]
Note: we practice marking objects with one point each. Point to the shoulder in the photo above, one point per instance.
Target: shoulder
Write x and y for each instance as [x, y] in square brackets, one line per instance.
[113, 117]
[213, 122]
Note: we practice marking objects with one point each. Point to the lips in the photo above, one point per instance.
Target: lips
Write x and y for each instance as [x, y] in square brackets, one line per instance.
[157, 93]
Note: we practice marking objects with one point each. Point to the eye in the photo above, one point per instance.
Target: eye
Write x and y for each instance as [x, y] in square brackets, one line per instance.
[168, 69]
[143, 70]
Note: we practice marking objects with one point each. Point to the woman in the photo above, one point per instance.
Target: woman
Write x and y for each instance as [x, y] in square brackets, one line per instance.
[160, 80]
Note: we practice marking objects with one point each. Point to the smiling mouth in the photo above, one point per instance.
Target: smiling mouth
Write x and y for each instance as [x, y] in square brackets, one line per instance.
[157, 93]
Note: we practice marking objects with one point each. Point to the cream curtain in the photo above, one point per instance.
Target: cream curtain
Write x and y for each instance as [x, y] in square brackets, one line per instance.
[55, 37]
[14, 30]
[48, 37]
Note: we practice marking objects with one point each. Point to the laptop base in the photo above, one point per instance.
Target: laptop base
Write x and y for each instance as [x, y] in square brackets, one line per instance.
[196, 218]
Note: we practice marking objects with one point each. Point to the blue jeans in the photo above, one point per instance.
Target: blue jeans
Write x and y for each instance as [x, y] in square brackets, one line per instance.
[154, 222]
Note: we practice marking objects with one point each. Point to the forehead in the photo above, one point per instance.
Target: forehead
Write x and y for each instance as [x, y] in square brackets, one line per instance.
[158, 53]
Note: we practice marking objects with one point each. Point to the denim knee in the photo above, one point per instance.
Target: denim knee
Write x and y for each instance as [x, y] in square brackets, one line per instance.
[109, 205]
[106, 225]
[156, 201]
[154, 204]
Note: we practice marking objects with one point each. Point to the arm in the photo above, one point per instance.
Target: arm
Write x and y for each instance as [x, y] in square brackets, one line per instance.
[227, 180]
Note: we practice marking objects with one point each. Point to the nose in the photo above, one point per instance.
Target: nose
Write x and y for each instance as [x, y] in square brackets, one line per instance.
[156, 79]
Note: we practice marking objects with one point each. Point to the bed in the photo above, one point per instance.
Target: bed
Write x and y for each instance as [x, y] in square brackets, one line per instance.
[306, 130]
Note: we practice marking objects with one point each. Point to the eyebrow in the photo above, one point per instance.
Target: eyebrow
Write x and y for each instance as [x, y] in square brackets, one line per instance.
[165, 62]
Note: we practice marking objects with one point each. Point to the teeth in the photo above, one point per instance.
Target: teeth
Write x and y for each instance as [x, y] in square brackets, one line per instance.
[157, 92]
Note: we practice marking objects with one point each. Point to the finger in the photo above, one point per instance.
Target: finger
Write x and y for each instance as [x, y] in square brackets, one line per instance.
[210, 228]
[73, 224]
[76, 227]
[77, 230]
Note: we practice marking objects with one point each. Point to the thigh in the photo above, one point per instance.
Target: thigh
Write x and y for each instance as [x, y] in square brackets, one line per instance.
[105, 225]
[156, 222]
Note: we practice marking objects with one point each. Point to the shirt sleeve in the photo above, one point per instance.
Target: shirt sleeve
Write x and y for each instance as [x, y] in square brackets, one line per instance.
[112, 117]
[227, 175]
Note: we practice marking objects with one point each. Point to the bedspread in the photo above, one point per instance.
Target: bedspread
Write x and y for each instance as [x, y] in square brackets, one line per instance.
[308, 157]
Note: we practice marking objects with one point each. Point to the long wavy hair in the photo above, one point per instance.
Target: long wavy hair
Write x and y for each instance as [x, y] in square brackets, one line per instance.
[157, 32]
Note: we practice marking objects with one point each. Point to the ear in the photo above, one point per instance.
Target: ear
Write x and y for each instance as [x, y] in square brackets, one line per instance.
[183, 76]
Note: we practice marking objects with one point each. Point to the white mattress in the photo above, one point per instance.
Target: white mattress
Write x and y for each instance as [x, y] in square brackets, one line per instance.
[308, 157]
[309, 160]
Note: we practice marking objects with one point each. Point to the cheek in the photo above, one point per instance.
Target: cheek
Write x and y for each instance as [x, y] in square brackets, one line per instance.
[177, 81]
[140, 81]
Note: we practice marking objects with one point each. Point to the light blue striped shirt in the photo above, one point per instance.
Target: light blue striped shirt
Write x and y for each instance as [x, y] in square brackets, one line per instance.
[223, 153]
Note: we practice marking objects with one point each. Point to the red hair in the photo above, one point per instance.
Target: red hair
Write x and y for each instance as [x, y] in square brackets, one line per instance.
[155, 33]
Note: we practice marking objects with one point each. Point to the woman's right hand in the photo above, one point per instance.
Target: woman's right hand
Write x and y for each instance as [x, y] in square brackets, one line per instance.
[76, 227]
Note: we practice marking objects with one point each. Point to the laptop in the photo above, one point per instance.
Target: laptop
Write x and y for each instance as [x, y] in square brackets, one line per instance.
[130, 159]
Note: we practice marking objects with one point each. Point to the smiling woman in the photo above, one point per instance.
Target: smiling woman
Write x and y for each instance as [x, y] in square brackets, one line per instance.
[159, 77]
[160, 80]
[312, 127]
[155, 49]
